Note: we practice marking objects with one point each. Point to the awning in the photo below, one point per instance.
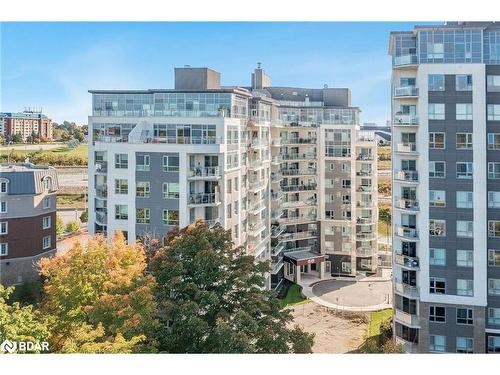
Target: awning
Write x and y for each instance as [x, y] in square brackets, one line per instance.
[302, 258]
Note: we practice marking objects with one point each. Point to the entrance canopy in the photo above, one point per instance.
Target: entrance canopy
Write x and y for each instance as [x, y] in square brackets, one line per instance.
[302, 258]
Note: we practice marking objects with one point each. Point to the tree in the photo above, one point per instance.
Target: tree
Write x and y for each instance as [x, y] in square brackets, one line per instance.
[84, 217]
[57, 133]
[59, 226]
[212, 299]
[384, 214]
[17, 138]
[20, 323]
[99, 298]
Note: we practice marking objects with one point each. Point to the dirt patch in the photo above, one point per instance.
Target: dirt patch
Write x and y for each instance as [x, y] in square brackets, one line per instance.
[335, 332]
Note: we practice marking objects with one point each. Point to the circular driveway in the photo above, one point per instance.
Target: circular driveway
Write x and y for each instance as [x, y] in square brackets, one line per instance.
[353, 293]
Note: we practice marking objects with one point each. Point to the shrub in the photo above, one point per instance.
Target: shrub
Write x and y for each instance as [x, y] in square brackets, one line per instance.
[72, 227]
[59, 226]
[84, 217]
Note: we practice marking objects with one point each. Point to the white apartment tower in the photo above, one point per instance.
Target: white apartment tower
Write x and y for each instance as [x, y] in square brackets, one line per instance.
[285, 169]
[446, 173]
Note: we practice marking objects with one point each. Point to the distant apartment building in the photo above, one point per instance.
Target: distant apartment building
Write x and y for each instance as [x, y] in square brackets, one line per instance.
[446, 182]
[27, 220]
[285, 169]
[25, 123]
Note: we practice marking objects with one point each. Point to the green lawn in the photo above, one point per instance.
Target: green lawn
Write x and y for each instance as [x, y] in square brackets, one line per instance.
[377, 318]
[57, 156]
[80, 151]
[293, 296]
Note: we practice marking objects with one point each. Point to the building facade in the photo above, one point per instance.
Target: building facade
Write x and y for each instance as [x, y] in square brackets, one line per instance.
[27, 220]
[25, 123]
[446, 220]
[259, 160]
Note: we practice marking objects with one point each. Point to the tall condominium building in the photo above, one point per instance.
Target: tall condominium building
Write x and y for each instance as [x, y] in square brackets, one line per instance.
[285, 169]
[27, 220]
[25, 123]
[446, 187]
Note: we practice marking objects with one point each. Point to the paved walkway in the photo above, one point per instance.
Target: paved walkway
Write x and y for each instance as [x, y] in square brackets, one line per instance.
[349, 294]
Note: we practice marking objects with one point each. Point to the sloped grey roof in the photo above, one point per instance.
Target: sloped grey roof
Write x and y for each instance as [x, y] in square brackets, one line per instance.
[27, 178]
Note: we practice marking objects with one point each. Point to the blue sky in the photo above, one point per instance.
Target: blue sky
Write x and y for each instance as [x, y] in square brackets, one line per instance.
[53, 65]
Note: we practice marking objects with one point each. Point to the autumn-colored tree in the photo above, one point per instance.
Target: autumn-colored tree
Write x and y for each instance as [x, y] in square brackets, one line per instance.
[20, 323]
[99, 298]
[212, 299]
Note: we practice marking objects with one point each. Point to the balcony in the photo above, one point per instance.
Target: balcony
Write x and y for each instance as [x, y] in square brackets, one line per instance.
[212, 222]
[364, 156]
[276, 266]
[204, 173]
[101, 166]
[406, 92]
[277, 195]
[406, 176]
[257, 207]
[365, 236]
[406, 261]
[101, 192]
[298, 141]
[179, 140]
[406, 318]
[299, 248]
[203, 199]
[276, 177]
[408, 346]
[258, 143]
[256, 227]
[406, 204]
[255, 186]
[408, 290]
[299, 172]
[407, 233]
[297, 156]
[276, 214]
[298, 219]
[406, 148]
[101, 217]
[365, 220]
[301, 187]
[299, 235]
[368, 204]
[364, 252]
[277, 230]
[405, 60]
[365, 173]
[278, 249]
[300, 203]
[405, 120]
[365, 189]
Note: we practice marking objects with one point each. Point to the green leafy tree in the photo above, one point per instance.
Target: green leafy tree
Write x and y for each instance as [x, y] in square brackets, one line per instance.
[84, 217]
[20, 323]
[384, 214]
[99, 299]
[72, 227]
[212, 299]
[17, 138]
[59, 226]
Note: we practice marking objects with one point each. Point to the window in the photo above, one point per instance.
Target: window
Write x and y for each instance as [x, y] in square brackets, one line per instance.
[437, 343]
[46, 242]
[465, 228]
[121, 186]
[170, 217]
[464, 141]
[494, 287]
[236, 231]
[465, 287]
[437, 198]
[46, 203]
[121, 212]
[437, 285]
[143, 189]
[46, 222]
[171, 164]
[465, 316]
[4, 227]
[236, 207]
[229, 186]
[494, 344]
[437, 227]
[142, 163]
[493, 315]
[437, 257]
[493, 83]
[464, 111]
[493, 141]
[436, 141]
[229, 211]
[493, 171]
[4, 249]
[494, 258]
[3, 207]
[170, 190]
[464, 170]
[493, 111]
[437, 314]
[437, 169]
[142, 215]
[464, 199]
[493, 228]
[463, 82]
[346, 184]
[436, 82]
[465, 258]
[236, 183]
[121, 161]
[329, 183]
[436, 111]
[3, 187]
[465, 345]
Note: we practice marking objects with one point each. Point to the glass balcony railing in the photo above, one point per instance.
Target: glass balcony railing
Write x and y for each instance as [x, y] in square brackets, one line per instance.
[409, 176]
[364, 252]
[101, 217]
[406, 91]
[301, 187]
[203, 172]
[406, 204]
[297, 156]
[408, 233]
[203, 199]
[299, 235]
[298, 140]
[406, 119]
[405, 60]
[410, 147]
[298, 172]
[407, 261]
[408, 290]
